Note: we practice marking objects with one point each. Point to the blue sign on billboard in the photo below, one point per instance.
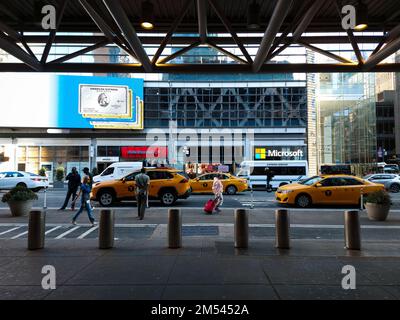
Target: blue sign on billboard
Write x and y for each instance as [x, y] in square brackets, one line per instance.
[58, 101]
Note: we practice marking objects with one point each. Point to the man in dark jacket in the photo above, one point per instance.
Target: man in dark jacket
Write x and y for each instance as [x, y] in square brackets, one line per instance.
[270, 175]
[74, 181]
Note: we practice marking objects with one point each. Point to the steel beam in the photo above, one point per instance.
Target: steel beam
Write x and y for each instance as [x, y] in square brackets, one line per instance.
[81, 52]
[281, 10]
[47, 48]
[226, 52]
[385, 52]
[202, 19]
[325, 53]
[200, 68]
[171, 31]
[305, 22]
[122, 20]
[228, 27]
[181, 40]
[18, 53]
[179, 53]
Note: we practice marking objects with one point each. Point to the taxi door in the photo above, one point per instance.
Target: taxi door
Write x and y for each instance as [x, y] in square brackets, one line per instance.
[331, 191]
[203, 184]
[127, 187]
[353, 190]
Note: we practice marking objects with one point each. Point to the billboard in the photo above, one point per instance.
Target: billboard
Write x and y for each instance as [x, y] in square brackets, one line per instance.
[60, 101]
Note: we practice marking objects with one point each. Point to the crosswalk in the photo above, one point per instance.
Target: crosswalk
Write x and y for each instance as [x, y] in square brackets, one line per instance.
[68, 231]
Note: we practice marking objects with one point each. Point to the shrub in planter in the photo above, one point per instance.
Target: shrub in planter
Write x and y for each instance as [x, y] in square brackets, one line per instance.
[42, 172]
[20, 200]
[378, 204]
[60, 173]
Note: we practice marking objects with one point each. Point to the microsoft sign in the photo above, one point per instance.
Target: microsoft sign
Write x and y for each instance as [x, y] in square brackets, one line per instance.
[265, 153]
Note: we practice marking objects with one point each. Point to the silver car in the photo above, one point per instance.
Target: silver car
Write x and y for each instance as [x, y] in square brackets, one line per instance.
[391, 181]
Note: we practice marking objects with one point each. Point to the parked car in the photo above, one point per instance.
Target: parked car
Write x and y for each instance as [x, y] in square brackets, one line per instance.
[232, 184]
[166, 185]
[117, 170]
[390, 181]
[328, 189]
[11, 179]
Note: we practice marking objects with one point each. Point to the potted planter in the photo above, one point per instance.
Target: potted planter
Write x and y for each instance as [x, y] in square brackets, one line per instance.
[20, 200]
[59, 183]
[378, 204]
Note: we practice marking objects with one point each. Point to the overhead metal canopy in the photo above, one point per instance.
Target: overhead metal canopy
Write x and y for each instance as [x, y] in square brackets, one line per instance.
[190, 23]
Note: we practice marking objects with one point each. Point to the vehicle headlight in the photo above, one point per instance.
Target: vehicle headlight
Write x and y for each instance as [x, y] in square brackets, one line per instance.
[286, 191]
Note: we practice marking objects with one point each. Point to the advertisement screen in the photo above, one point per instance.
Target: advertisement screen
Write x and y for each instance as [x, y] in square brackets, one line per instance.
[58, 101]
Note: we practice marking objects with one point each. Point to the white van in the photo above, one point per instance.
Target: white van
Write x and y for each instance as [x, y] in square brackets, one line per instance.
[285, 172]
[117, 170]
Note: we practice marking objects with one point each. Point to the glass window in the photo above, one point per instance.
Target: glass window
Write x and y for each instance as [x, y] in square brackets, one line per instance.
[108, 171]
[311, 181]
[132, 176]
[352, 182]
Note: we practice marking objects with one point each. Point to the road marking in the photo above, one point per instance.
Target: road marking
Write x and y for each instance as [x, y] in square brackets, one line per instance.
[51, 230]
[19, 235]
[10, 230]
[87, 232]
[67, 232]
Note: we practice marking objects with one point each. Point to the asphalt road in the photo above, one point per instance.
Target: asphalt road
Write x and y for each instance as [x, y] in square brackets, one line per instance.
[259, 199]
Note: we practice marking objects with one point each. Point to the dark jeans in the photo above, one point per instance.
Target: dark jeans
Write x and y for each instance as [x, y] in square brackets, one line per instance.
[71, 192]
[141, 204]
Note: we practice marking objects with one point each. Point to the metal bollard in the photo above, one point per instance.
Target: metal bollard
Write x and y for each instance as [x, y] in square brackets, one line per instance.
[36, 229]
[241, 229]
[106, 229]
[352, 230]
[282, 225]
[174, 229]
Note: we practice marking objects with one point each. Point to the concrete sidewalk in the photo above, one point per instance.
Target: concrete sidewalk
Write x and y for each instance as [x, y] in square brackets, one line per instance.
[205, 268]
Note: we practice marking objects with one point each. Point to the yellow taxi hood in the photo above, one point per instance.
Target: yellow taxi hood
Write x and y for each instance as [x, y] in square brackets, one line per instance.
[106, 183]
[293, 186]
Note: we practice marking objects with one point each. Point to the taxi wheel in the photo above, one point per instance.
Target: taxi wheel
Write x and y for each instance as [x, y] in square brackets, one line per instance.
[106, 198]
[231, 190]
[168, 197]
[303, 201]
[395, 188]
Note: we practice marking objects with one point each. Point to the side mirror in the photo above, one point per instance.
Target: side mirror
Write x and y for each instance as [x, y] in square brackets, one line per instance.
[318, 185]
[123, 180]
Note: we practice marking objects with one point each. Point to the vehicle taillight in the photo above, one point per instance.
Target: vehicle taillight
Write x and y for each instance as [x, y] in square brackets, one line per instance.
[184, 181]
[36, 179]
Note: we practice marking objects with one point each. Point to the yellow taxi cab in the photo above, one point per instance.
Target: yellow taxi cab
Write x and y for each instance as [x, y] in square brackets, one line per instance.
[166, 185]
[326, 189]
[232, 184]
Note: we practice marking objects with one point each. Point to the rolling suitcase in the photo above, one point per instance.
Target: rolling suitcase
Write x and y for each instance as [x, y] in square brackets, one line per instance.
[209, 206]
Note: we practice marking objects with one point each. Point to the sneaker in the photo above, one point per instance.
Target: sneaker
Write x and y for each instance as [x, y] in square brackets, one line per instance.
[74, 222]
[94, 223]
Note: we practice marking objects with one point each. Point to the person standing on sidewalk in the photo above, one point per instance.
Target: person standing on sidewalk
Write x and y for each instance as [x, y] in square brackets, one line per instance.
[142, 188]
[218, 189]
[270, 175]
[74, 181]
[85, 201]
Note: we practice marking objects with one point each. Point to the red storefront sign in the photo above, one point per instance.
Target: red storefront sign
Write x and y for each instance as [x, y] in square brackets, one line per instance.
[144, 152]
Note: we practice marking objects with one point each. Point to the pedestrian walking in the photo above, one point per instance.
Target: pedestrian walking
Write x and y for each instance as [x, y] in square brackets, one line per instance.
[86, 171]
[218, 189]
[84, 192]
[142, 189]
[74, 181]
[270, 175]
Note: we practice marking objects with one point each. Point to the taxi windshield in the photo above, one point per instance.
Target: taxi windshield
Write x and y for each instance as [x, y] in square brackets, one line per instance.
[311, 181]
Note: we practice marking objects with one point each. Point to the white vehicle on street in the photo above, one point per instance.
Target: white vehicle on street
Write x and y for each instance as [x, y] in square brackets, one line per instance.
[284, 171]
[390, 181]
[11, 179]
[117, 170]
